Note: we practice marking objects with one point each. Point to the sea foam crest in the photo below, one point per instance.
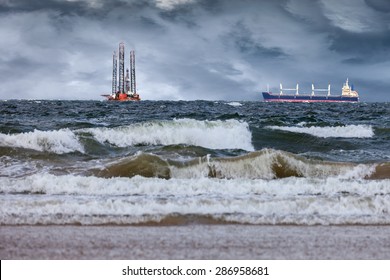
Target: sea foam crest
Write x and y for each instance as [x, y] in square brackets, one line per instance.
[141, 187]
[125, 201]
[348, 131]
[271, 164]
[234, 104]
[55, 141]
[229, 134]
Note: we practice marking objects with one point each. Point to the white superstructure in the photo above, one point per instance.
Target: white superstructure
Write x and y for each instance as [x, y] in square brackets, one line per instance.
[347, 90]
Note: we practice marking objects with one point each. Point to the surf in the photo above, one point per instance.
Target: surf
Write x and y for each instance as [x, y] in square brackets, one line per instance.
[88, 200]
[228, 134]
[268, 164]
[52, 141]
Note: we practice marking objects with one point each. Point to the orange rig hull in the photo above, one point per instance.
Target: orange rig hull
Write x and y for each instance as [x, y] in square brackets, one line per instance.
[122, 97]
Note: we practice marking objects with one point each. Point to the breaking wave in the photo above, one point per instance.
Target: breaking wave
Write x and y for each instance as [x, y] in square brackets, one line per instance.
[71, 199]
[348, 131]
[265, 164]
[54, 141]
[229, 134]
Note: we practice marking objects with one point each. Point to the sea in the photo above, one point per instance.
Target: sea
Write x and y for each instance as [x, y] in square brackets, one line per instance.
[194, 162]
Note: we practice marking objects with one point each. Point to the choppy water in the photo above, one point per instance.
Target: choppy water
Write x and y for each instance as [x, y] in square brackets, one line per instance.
[98, 162]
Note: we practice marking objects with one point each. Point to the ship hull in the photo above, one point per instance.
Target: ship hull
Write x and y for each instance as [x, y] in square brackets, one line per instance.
[269, 97]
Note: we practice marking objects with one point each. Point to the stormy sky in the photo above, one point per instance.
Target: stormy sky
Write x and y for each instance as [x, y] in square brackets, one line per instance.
[194, 49]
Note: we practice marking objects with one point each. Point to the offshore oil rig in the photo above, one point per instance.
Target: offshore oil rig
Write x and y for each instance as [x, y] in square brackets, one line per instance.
[126, 90]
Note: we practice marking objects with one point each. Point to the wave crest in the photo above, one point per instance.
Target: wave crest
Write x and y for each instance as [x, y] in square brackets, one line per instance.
[54, 141]
[229, 134]
[265, 164]
[348, 131]
[272, 164]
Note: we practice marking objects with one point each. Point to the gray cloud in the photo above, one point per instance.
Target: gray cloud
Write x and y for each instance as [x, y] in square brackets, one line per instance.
[193, 49]
[382, 6]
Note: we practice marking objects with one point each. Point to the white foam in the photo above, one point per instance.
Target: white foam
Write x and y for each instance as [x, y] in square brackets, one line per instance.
[234, 104]
[55, 141]
[230, 134]
[91, 200]
[95, 186]
[11, 167]
[348, 131]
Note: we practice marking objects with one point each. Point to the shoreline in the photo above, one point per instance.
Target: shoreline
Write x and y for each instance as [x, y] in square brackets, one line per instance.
[195, 241]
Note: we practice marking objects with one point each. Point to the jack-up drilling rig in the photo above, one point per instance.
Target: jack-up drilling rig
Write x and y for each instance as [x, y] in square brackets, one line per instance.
[126, 90]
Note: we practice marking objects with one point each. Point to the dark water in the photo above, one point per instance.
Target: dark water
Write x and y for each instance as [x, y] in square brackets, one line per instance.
[98, 162]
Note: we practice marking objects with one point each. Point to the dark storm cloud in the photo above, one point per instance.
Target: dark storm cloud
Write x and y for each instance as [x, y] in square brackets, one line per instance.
[382, 6]
[366, 48]
[241, 37]
[66, 7]
[193, 49]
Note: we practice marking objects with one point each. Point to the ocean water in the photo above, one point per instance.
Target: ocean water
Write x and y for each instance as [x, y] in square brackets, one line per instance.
[185, 162]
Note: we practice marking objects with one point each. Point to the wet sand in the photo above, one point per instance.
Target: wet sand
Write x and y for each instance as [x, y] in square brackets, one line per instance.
[195, 242]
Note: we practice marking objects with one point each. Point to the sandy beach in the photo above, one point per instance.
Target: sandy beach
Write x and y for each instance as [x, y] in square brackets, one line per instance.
[195, 242]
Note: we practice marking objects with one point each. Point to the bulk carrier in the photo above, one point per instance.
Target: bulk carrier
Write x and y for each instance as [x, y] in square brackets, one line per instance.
[348, 94]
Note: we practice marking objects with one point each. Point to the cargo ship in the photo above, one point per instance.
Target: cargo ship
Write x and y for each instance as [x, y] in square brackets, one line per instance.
[348, 94]
[126, 90]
